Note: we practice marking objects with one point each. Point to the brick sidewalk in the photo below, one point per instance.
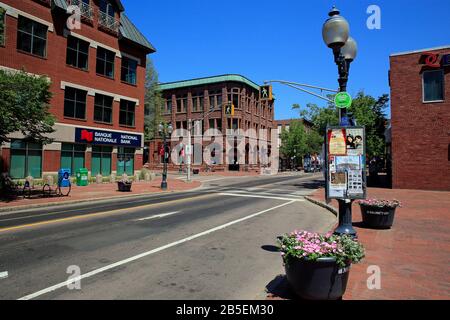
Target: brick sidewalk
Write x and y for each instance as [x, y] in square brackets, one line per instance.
[414, 256]
[100, 191]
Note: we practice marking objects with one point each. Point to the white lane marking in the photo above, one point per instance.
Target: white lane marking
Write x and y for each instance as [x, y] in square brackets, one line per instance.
[145, 254]
[158, 216]
[4, 275]
[211, 180]
[258, 196]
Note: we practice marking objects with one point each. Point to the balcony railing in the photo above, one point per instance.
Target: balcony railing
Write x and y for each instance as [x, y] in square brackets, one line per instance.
[87, 12]
[108, 22]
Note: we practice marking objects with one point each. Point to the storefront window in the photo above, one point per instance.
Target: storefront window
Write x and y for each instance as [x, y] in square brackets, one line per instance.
[72, 156]
[125, 161]
[26, 159]
[101, 160]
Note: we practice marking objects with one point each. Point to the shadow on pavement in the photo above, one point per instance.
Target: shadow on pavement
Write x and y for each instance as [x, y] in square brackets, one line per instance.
[280, 289]
[315, 184]
[270, 248]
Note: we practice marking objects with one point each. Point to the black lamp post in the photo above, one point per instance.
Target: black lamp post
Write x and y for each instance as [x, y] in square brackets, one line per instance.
[165, 130]
[335, 34]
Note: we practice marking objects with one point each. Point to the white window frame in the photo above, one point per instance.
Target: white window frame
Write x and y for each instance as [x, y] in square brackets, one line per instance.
[423, 86]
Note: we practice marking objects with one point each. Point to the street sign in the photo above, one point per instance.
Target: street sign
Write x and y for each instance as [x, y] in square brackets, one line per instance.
[229, 109]
[343, 100]
[266, 93]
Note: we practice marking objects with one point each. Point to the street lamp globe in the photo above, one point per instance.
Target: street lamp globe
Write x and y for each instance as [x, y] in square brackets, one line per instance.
[335, 31]
[170, 129]
[350, 49]
[160, 128]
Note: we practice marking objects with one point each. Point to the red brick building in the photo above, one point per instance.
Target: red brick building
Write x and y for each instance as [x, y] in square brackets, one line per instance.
[191, 100]
[97, 74]
[420, 127]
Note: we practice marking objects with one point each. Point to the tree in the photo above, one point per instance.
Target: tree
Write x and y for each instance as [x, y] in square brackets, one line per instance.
[2, 26]
[24, 106]
[297, 142]
[153, 102]
[366, 110]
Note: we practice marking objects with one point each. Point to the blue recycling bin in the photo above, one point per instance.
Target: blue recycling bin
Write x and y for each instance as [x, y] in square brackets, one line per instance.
[64, 177]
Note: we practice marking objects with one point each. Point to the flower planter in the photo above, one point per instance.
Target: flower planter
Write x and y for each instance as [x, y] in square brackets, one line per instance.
[322, 279]
[377, 217]
[124, 187]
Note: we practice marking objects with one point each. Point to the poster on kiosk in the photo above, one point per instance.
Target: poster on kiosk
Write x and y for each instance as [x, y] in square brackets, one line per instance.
[345, 166]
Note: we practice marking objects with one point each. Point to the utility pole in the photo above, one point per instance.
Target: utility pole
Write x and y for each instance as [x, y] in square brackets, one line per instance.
[189, 151]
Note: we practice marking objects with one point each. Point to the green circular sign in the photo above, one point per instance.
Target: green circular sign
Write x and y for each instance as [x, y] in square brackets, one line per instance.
[343, 100]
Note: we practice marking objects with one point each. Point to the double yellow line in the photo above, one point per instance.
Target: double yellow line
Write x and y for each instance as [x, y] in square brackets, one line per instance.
[93, 215]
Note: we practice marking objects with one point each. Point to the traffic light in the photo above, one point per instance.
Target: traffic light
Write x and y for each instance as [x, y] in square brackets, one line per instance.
[266, 93]
[229, 109]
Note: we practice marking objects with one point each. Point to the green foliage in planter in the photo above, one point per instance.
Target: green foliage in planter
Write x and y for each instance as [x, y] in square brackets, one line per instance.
[312, 246]
[143, 172]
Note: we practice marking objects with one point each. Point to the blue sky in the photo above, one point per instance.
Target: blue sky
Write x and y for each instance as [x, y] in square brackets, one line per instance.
[282, 40]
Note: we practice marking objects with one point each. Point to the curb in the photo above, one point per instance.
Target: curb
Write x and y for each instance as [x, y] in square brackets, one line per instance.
[15, 209]
[323, 205]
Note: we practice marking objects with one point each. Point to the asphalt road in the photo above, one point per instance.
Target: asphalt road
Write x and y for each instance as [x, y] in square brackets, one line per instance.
[213, 243]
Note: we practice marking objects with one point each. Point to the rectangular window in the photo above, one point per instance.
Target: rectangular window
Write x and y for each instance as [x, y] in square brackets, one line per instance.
[194, 104]
[32, 37]
[129, 70]
[127, 111]
[103, 107]
[185, 103]
[101, 160]
[169, 106]
[2, 26]
[26, 159]
[433, 85]
[77, 53]
[201, 102]
[179, 106]
[72, 157]
[75, 103]
[125, 161]
[105, 62]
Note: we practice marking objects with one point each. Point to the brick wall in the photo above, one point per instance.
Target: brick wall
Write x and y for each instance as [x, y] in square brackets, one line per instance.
[420, 131]
[54, 65]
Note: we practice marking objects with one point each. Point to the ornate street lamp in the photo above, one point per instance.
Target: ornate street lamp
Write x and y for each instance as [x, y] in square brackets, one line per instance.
[165, 130]
[335, 33]
[336, 36]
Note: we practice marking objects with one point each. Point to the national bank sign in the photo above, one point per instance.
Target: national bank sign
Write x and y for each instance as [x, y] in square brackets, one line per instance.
[100, 137]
